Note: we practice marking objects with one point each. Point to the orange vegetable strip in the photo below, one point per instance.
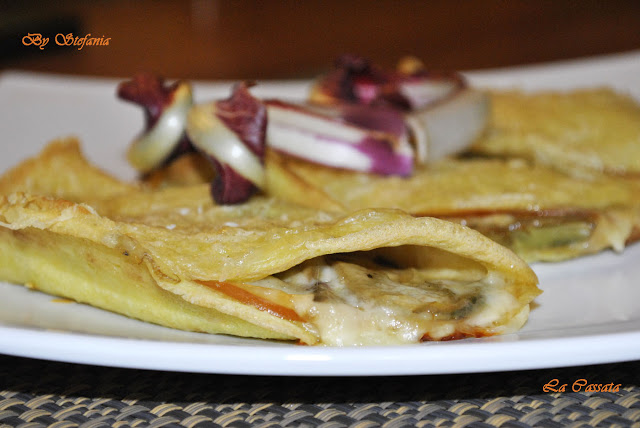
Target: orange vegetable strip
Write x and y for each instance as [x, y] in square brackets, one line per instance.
[243, 296]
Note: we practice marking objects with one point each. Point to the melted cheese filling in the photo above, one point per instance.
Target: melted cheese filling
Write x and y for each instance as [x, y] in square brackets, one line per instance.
[361, 300]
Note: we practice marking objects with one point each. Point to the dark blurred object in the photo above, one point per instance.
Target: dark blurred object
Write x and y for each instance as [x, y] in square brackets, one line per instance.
[18, 19]
[225, 39]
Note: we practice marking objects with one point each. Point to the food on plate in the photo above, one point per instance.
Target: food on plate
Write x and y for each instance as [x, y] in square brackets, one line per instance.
[537, 211]
[165, 114]
[402, 119]
[263, 268]
[231, 134]
[580, 132]
[443, 113]
[540, 214]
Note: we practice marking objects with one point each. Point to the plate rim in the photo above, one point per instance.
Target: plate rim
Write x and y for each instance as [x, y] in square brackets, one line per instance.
[285, 360]
[298, 360]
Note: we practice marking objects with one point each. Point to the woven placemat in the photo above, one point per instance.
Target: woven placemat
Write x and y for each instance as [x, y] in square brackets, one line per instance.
[36, 393]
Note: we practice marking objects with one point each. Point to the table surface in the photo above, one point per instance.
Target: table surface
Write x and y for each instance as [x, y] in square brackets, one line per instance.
[39, 393]
[282, 40]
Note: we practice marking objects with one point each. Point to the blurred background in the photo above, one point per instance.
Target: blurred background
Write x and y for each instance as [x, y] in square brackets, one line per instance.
[229, 39]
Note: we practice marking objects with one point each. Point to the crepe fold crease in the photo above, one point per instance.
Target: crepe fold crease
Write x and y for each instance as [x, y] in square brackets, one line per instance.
[265, 269]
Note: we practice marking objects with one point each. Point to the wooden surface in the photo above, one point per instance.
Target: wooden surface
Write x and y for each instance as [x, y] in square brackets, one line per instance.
[291, 39]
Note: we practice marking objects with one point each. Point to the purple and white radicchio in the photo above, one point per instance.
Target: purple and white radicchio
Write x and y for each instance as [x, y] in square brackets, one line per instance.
[231, 134]
[165, 113]
[359, 117]
[353, 137]
[443, 113]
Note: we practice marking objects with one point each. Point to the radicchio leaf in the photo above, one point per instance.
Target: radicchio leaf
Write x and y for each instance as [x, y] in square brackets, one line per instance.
[354, 137]
[231, 134]
[161, 140]
[148, 91]
[355, 80]
[246, 116]
[444, 115]
[229, 187]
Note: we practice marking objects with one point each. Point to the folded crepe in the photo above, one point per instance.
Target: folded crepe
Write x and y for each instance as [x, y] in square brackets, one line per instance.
[265, 268]
[539, 213]
[580, 132]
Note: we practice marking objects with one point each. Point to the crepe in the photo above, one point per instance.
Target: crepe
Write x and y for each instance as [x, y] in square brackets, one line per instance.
[265, 268]
[580, 132]
[540, 213]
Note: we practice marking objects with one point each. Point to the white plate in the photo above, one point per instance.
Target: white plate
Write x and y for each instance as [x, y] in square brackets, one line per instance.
[589, 312]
